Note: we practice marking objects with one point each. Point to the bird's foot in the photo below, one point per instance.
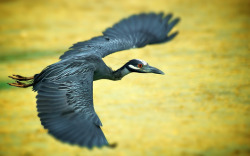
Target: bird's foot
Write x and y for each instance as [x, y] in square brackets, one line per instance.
[21, 78]
[20, 84]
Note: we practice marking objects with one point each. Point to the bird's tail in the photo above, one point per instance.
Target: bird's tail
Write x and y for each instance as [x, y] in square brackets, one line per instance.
[21, 81]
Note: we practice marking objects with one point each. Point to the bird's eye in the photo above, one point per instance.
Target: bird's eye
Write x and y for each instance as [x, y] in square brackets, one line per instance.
[139, 65]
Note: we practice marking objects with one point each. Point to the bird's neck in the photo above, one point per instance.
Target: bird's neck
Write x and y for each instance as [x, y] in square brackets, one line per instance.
[120, 73]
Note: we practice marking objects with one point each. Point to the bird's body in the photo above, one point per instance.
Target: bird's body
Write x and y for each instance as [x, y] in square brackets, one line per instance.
[65, 88]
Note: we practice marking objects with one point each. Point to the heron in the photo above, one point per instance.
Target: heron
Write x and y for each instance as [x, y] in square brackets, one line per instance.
[65, 88]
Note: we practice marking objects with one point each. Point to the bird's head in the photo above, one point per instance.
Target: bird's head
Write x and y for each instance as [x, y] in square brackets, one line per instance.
[140, 66]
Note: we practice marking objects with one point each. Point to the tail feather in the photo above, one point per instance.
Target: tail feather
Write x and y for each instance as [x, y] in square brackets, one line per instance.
[18, 78]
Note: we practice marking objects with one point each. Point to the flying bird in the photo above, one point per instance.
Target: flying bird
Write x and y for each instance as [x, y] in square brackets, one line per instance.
[65, 88]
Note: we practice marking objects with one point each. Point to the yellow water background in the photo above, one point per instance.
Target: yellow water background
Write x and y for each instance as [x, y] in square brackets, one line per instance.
[199, 107]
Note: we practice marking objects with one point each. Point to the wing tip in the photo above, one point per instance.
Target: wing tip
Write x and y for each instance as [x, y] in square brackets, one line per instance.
[89, 144]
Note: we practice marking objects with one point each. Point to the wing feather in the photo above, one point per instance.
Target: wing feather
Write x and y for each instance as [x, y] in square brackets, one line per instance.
[133, 32]
[65, 104]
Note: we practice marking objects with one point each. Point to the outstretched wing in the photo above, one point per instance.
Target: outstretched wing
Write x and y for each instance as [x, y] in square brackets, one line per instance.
[65, 105]
[134, 32]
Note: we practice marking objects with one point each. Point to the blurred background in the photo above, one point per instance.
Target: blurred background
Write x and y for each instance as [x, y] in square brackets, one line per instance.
[199, 107]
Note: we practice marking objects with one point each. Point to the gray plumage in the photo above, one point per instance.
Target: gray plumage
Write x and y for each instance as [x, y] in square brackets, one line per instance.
[65, 89]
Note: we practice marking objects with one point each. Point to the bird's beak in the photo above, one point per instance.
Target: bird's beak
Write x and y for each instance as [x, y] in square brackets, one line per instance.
[150, 69]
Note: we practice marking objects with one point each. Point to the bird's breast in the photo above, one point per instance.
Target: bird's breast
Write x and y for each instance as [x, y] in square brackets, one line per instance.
[103, 73]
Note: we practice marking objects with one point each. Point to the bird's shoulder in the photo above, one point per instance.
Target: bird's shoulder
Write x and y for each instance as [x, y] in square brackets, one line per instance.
[67, 69]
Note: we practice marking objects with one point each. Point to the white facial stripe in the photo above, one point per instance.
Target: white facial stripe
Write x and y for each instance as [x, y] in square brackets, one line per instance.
[143, 62]
[133, 67]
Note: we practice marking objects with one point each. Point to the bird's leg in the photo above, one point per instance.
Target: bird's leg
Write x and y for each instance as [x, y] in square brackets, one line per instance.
[20, 84]
[21, 78]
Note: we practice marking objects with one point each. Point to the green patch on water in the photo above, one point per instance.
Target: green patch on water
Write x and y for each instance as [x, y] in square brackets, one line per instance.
[4, 84]
[8, 56]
